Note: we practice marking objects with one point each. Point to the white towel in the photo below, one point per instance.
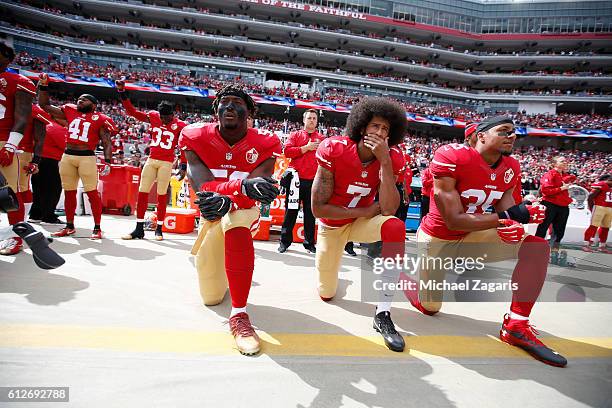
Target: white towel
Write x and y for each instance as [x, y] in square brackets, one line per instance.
[293, 195]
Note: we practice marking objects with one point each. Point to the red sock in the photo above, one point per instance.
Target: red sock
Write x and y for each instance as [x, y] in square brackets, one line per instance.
[589, 234]
[529, 274]
[393, 236]
[141, 207]
[96, 205]
[27, 197]
[18, 215]
[162, 201]
[239, 264]
[70, 204]
[603, 235]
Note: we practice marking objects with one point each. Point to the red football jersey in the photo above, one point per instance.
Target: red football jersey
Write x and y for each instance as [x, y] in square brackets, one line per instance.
[84, 128]
[10, 84]
[164, 138]
[55, 141]
[604, 198]
[230, 162]
[27, 143]
[479, 185]
[355, 184]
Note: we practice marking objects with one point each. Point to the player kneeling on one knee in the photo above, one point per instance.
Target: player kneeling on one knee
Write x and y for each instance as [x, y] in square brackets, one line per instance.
[351, 170]
[467, 181]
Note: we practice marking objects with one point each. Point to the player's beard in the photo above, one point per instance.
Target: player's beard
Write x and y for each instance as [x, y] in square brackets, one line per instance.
[506, 153]
[85, 109]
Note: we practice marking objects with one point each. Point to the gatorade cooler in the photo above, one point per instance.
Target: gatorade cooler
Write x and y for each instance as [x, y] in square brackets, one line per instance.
[119, 189]
[262, 231]
[298, 232]
[179, 220]
[413, 219]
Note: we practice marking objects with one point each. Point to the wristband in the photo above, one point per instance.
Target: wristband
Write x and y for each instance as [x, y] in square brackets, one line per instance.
[35, 159]
[43, 88]
[14, 138]
[503, 215]
[183, 166]
[107, 161]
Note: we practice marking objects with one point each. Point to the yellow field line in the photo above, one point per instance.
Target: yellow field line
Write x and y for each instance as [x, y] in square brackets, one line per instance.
[290, 344]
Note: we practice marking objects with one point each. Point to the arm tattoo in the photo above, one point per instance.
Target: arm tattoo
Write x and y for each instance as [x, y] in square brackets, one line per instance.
[323, 186]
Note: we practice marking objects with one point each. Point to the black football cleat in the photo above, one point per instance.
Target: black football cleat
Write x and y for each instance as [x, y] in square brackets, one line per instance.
[521, 334]
[384, 325]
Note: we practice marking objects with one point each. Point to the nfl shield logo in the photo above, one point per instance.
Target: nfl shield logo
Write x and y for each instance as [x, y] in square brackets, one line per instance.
[252, 155]
[508, 175]
[364, 174]
[174, 126]
[95, 117]
[493, 176]
[228, 156]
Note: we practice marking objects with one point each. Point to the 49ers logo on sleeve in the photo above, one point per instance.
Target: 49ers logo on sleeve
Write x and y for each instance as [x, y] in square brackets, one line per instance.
[252, 156]
[508, 175]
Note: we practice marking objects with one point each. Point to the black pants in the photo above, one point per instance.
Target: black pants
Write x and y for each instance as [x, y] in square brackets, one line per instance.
[46, 190]
[291, 215]
[424, 206]
[557, 216]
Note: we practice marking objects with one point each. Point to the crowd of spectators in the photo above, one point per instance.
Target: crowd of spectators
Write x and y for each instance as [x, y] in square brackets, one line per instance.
[129, 147]
[334, 95]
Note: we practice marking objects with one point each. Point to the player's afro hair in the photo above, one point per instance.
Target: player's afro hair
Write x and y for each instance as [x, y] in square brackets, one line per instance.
[363, 112]
[234, 90]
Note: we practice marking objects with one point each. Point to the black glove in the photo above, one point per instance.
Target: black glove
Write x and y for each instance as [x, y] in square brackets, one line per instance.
[262, 189]
[519, 213]
[213, 205]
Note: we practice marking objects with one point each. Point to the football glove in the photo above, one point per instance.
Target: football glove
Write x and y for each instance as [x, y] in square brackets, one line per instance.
[43, 79]
[31, 168]
[213, 205]
[262, 189]
[6, 154]
[525, 214]
[511, 232]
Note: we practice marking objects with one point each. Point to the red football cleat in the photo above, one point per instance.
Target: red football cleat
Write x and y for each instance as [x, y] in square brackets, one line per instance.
[64, 232]
[96, 234]
[588, 248]
[11, 246]
[521, 334]
[605, 250]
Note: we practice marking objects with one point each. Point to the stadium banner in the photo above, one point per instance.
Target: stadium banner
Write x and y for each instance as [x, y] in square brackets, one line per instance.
[297, 103]
[310, 7]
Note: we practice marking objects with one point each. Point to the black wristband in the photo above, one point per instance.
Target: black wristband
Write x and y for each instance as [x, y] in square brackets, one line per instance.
[503, 215]
[43, 88]
[183, 166]
[123, 95]
[35, 159]
[107, 161]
